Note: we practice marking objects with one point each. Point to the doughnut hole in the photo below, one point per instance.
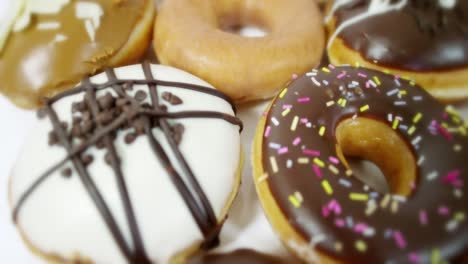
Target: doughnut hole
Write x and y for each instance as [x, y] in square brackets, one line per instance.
[244, 19]
[376, 142]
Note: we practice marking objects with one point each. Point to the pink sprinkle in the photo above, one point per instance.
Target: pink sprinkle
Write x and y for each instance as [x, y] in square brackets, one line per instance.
[335, 207]
[443, 210]
[334, 160]
[294, 76]
[283, 150]
[287, 106]
[296, 141]
[317, 171]
[423, 217]
[362, 75]
[309, 152]
[267, 131]
[360, 228]
[341, 75]
[325, 211]
[414, 258]
[304, 120]
[303, 99]
[399, 239]
[451, 177]
[339, 222]
[444, 132]
[458, 183]
[367, 84]
[331, 66]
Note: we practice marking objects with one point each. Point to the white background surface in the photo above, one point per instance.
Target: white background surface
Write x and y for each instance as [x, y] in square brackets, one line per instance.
[246, 227]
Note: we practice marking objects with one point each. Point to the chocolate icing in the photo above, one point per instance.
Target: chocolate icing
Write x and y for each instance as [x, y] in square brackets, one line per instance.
[34, 65]
[241, 256]
[150, 116]
[420, 37]
[339, 214]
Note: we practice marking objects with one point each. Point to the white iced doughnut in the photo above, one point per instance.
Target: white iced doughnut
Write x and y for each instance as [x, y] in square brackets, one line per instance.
[56, 212]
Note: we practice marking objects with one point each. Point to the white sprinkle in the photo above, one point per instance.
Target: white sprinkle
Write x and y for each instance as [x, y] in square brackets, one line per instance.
[369, 232]
[416, 141]
[372, 83]
[399, 198]
[366, 188]
[315, 81]
[417, 98]
[392, 92]
[404, 127]
[458, 193]
[311, 74]
[432, 175]
[275, 121]
[274, 145]
[349, 221]
[274, 165]
[325, 82]
[451, 225]
[317, 239]
[390, 117]
[421, 160]
[48, 25]
[374, 195]
[309, 125]
[60, 38]
[399, 103]
[345, 183]
[289, 164]
[371, 207]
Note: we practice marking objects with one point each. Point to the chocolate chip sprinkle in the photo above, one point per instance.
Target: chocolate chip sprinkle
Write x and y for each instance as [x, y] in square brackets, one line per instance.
[171, 98]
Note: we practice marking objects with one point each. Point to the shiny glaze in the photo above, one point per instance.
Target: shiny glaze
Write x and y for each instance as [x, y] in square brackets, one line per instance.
[33, 65]
[337, 213]
[422, 36]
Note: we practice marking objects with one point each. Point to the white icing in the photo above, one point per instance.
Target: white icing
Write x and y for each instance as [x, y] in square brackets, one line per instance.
[91, 13]
[61, 218]
[60, 38]
[48, 25]
[43, 7]
[447, 4]
[376, 7]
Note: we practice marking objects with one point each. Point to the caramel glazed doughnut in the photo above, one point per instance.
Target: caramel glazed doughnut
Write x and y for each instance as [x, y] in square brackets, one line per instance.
[130, 174]
[423, 40]
[47, 46]
[191, 35]
[326, 216]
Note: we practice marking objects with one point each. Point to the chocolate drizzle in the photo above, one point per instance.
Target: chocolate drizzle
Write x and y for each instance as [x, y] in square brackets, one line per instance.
[338, 214]
[423, 36]
[137, 114]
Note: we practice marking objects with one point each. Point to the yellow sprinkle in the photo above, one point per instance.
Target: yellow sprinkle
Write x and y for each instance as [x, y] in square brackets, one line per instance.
[325, 69]
[358, 196]
[435, 256]
[283, 92]
[462, 131]
[294, 201]
[457, 120]
[361, 246]
[330, 103]
[377, 80]
[274, 165]
[294, 123]
[342, 102]
[319, 162]
[349, 173]
[364, 108]
[411, 130]
[412, 83]
[327, 187]
[417, 117]
[333, 169]
[286, 111]
[303, 160]
[444, 125]
[460, 216]
[449, 109]
[385, 201]
[394, 207]
[402, 92]
[395, 124]
[322, 131]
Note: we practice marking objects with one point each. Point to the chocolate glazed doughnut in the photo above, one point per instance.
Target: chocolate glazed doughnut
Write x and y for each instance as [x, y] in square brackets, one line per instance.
[425, 40]
[325, 215]
[243, 256]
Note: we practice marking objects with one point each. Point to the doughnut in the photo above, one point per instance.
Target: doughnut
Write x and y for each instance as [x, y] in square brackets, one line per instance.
[52, 45]
[193, 36]
[243, 256]
[124, 160]
[322, 212]
[421, 40]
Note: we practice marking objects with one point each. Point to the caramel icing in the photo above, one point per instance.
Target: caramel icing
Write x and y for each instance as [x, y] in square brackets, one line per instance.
[38, 63]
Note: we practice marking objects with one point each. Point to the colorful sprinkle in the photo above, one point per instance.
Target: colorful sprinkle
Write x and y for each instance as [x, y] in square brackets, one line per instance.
[283, 93]
[327, 187]
[319, 162]
[361, 246]
[294, 123]
[364, 108]
[399, 239]
[274, 165]
[267, 131]
[322, 131]
[303, 99]
[417, 118]
[358, 196]
[296, 141]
